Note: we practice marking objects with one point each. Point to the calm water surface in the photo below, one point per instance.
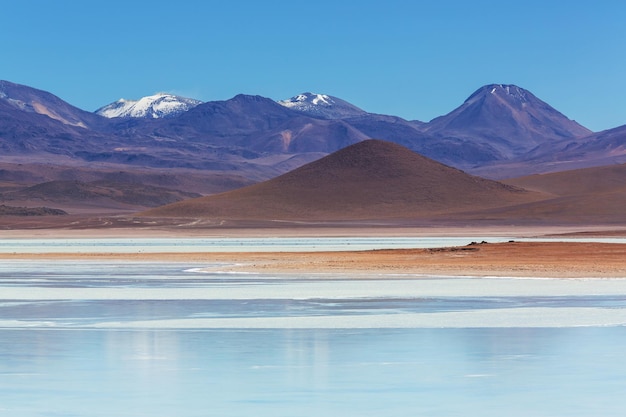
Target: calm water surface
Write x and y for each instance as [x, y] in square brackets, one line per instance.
[150, 339]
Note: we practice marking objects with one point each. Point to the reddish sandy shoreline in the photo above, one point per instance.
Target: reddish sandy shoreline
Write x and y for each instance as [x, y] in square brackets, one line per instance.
[550, 259]
[513, 259]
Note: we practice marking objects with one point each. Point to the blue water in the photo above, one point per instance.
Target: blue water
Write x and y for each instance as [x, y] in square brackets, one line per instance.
[282, 372]
[165, 339]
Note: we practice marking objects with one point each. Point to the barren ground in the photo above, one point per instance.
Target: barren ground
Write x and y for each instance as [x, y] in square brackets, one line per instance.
[513, 259]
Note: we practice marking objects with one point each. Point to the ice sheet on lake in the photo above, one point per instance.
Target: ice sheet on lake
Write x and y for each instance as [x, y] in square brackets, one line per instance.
[342, 292]
[513, 317]
[278, 289]
[123, 295]
[529, 317]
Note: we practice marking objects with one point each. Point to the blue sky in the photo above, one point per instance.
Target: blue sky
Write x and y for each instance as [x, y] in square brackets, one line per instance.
[415, 59]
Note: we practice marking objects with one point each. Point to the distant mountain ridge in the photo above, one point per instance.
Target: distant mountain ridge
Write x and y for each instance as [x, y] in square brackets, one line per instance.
[499, 131]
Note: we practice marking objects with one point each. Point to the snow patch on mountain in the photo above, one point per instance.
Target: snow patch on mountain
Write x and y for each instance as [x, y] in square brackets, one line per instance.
[513, 91]
[156, 106]
[321, 106]
[306, 101]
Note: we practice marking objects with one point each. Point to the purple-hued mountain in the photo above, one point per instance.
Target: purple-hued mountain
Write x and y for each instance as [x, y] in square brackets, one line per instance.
[265, 127]
[598, 149]
[606, 147]
[504, 121]
[35, 124]
[30, 100]
[245, 128]
[257, 138]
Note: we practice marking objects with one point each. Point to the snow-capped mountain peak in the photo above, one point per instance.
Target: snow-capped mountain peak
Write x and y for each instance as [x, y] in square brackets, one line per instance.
[512, 91]
[160, 105]
[321, 106]
[306, 99]
[508, 92]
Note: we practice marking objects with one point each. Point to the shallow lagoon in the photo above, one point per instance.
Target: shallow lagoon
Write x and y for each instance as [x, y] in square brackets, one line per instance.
[150, 339]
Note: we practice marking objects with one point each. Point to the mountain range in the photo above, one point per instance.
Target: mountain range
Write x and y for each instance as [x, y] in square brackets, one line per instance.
[183, 145]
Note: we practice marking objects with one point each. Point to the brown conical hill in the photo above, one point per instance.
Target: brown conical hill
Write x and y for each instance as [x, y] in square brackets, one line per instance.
[372, 179]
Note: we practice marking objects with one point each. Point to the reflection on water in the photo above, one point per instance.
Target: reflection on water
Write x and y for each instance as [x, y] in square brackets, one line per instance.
[159, 340]
[286, 372]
